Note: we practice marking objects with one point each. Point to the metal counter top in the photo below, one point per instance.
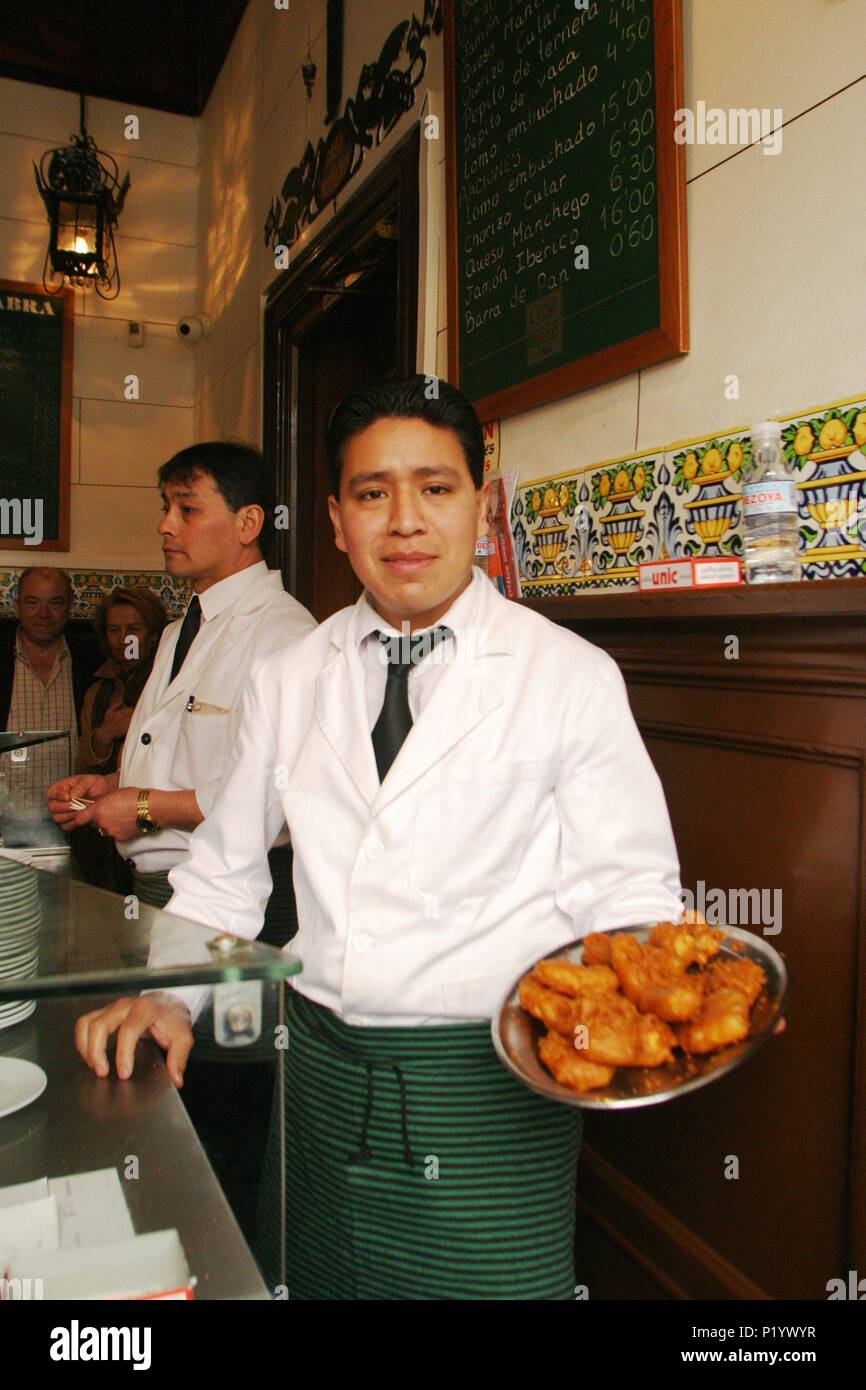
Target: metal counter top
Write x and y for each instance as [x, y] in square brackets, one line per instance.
[83, 1122]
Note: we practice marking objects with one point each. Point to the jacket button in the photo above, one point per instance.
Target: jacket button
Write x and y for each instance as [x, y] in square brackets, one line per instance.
[145, 738]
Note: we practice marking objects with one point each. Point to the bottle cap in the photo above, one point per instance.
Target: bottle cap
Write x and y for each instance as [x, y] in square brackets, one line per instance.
[767, 430]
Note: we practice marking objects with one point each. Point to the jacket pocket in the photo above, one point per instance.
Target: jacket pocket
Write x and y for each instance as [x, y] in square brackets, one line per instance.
[202, 745]
[471, 827]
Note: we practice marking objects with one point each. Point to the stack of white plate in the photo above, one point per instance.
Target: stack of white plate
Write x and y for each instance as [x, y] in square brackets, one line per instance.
[20, 920]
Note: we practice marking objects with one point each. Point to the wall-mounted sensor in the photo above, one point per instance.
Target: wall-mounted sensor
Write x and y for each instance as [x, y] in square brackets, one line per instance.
[135, 334]
[193, 328]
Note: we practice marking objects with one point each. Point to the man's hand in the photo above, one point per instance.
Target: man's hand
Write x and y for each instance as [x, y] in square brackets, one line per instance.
[114, 814]
[59, 794]
[160, 1016]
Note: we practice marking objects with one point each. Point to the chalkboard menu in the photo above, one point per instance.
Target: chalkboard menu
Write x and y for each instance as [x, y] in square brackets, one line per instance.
[35, 416]
[567, 238]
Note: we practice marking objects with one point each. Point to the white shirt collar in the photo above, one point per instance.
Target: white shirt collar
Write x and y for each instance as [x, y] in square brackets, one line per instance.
[225, 592]
[459, 616]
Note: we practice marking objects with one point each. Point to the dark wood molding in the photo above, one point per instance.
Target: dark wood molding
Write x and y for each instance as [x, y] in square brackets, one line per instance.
[675, 1259]
[819, 598]
[292, 308]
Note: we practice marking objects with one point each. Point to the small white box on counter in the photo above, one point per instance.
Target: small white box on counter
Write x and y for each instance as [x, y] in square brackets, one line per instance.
[151, 1266]
[702, 573]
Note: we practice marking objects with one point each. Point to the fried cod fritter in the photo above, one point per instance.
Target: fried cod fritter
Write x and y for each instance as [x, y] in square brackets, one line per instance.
[723, 1019]
[655, 980]
[571, 979]
[692, 943]
[617, 1035]
[570, 1067]
[614, 1009]
[596, 948]
[745, 975]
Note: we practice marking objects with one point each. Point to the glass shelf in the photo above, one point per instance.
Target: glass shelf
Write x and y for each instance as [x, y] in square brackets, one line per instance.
[91, 942]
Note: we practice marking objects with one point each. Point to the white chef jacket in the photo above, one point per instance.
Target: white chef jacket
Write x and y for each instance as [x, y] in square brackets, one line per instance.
[182, 732]
[521, 812]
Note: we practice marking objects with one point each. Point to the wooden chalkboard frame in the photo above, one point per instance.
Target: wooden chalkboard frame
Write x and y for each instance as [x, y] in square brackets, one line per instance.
[66, 297]
[671, 337]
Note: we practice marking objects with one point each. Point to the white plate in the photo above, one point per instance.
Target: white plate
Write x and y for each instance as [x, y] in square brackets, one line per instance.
[24, 1010]
[20, 1084]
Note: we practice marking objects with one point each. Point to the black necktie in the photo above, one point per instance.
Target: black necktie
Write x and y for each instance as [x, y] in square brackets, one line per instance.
[191, 625]
[395, 719]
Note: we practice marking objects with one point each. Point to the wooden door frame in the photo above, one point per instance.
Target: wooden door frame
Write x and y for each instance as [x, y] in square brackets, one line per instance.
[291, 310]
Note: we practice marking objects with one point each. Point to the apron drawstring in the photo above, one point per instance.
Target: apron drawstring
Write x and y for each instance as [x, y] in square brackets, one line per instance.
[365, 1153]
[408, 1156]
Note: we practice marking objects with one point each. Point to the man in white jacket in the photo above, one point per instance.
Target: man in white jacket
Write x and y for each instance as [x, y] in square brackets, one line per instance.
[466, 791]
[217, 528]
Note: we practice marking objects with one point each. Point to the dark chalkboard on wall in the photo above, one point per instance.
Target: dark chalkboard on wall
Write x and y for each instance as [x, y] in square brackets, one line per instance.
[566, 195]
[35, 415]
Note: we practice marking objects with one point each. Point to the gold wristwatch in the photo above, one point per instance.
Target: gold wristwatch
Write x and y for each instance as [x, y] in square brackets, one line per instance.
[143, 819]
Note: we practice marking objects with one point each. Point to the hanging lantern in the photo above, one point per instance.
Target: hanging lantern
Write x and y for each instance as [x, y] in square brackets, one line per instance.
[79, 186]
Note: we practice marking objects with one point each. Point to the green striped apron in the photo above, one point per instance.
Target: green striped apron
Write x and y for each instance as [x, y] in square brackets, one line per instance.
[416, 1167]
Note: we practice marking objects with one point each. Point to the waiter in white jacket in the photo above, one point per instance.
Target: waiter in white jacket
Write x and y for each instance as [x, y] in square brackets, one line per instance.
[462, 800]
[216, 529]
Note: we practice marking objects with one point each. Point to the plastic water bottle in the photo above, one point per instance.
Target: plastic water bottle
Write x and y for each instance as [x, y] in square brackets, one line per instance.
[770, 519]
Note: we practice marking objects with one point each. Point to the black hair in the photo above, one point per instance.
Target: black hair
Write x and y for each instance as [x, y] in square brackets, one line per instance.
[427, 398]
[240, 474]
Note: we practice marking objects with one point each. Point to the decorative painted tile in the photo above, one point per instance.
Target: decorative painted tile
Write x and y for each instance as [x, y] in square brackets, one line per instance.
[585, 531]
[825, 448]
[589, 530]
[706, 480]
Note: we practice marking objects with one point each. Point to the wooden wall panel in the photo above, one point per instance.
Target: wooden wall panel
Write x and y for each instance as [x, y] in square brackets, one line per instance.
[763, 760]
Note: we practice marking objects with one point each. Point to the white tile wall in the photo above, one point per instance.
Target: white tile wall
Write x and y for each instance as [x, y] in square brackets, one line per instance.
[165, 365]
[768, 53]
[113, 526]
[778, 282]
[283, 51]
[124, 442]
[116, 445]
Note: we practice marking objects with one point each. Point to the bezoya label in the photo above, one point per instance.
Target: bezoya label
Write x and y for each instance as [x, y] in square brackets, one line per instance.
[761, 498]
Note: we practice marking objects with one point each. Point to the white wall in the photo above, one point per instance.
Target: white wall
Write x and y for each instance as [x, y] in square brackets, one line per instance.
[777, 259]
[254, 129]
[117, 444]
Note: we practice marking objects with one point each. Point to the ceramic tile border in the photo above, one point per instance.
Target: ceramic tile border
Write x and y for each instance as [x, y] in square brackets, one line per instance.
[88, 587]
[586, 535]
[587, 530]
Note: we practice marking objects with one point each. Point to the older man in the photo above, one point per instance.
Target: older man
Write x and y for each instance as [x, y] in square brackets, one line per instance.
[40, 685]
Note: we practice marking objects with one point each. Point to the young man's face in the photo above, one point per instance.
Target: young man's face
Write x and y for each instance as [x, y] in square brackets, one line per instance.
[203, 540]
[408, 517]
